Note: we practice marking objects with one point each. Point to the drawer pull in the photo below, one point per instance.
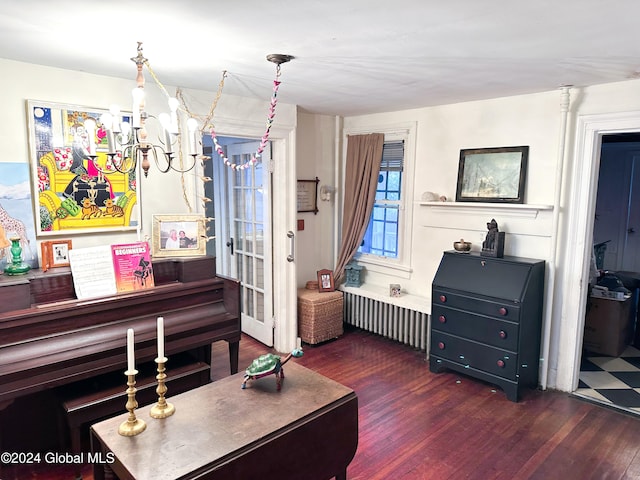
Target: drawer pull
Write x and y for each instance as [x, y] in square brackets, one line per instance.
[503, 334]
[443, 298]
[441, 345]
[442, 319]
[502, 311]
[500, 363]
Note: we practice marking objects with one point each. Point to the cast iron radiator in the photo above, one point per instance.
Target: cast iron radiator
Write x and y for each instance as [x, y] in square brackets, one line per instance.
[405, 325]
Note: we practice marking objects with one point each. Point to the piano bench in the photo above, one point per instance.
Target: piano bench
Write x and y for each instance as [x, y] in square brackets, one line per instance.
[95, 399]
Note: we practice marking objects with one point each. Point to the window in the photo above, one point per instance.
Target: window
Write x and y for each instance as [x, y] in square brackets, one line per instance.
[381, 237]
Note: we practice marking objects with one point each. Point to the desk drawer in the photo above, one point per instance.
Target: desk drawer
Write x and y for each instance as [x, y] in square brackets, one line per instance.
[496, 332]
[475, 355]
[494, 308]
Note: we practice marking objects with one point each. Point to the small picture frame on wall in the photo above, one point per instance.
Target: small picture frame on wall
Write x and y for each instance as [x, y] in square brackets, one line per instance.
[325, 281]
[55, 253]
[307, 195]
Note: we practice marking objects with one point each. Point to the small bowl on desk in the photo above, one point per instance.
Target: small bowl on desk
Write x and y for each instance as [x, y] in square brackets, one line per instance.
[462, 246]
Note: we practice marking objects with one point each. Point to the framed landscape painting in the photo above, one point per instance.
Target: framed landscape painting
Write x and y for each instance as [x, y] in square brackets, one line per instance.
[494, 175]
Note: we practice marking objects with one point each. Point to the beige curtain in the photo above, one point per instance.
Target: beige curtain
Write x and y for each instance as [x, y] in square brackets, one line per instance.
[364, 153]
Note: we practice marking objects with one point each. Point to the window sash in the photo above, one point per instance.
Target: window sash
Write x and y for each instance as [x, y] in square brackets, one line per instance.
[382, 235]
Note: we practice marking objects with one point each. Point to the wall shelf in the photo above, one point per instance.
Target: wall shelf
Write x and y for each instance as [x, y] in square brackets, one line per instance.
[513, 209]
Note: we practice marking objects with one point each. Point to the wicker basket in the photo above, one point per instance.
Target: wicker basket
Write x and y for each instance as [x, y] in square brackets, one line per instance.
[312, 285]
[319, 315]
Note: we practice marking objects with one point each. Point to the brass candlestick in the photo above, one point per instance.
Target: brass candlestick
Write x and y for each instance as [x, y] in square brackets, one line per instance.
[162, 409]
[132, 426]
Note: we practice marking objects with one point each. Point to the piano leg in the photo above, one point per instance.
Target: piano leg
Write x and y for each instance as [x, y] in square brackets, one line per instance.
[234, 349]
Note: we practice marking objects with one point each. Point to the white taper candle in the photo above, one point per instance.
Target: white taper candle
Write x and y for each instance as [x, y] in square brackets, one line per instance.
[160, 337]
[131, 363]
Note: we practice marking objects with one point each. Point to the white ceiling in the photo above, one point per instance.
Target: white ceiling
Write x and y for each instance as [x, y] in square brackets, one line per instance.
[351, 56]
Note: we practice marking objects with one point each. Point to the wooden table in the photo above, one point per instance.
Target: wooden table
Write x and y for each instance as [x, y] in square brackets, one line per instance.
[307, 430]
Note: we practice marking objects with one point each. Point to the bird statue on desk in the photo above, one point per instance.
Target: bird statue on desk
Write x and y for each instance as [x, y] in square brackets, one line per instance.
[269, 364]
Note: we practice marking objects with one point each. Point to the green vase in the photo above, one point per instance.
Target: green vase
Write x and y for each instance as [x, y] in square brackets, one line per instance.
[17, 267]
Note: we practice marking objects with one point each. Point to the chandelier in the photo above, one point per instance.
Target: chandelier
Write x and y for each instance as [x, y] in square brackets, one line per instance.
[127, 139]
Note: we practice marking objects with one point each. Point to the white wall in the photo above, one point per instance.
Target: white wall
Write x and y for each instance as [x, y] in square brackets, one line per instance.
[441, 133]
[316, 153]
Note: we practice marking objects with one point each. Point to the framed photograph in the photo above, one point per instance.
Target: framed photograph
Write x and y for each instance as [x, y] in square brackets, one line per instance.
[307, 195]
[55, 253]
[178, 236]
[325, 281]
[495, 175]
[74, 192]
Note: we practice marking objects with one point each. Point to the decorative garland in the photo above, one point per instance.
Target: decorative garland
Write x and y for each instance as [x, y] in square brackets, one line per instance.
[256, 157]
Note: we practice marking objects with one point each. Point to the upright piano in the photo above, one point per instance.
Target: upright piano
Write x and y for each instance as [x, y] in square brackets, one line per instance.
[49, 338]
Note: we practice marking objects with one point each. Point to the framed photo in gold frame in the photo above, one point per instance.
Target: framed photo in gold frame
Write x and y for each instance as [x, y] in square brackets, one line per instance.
[178, 236]
[55, 253]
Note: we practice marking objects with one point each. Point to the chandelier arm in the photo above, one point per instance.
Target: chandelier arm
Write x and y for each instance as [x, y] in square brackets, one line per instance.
[92, 159]
[110, 161]
[184, 170]
[125, 153]
[154, 149]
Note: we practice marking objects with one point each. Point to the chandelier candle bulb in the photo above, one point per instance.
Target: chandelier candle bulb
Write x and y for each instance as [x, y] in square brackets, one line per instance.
[173, 115]
[107, 123]
[192, 125]
[166, 126]
[90, 126]
[115, 118]
[130, 351]
[126, 130]
[160, 338]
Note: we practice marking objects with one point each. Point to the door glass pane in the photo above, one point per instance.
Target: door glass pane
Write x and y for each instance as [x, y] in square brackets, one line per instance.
[259, 272]
[248, 278]
[260, 306]
[238, 202]
[238, 235]
[248, 236]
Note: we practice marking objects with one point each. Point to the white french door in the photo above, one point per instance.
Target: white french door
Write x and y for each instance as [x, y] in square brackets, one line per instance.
[242, 200]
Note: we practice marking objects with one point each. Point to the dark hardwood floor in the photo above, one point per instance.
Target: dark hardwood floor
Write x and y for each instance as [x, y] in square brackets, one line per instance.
[419, 425]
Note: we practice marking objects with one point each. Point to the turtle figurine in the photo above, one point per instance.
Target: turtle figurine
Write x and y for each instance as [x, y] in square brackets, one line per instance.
[269, 364]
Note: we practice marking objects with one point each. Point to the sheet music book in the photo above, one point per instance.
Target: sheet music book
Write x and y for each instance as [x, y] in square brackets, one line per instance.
[108, 269]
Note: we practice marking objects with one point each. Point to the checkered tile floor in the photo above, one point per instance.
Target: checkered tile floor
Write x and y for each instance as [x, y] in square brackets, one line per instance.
[612, 381]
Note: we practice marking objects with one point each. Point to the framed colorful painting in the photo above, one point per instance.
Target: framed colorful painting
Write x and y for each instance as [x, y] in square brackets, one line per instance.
[75, 192]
